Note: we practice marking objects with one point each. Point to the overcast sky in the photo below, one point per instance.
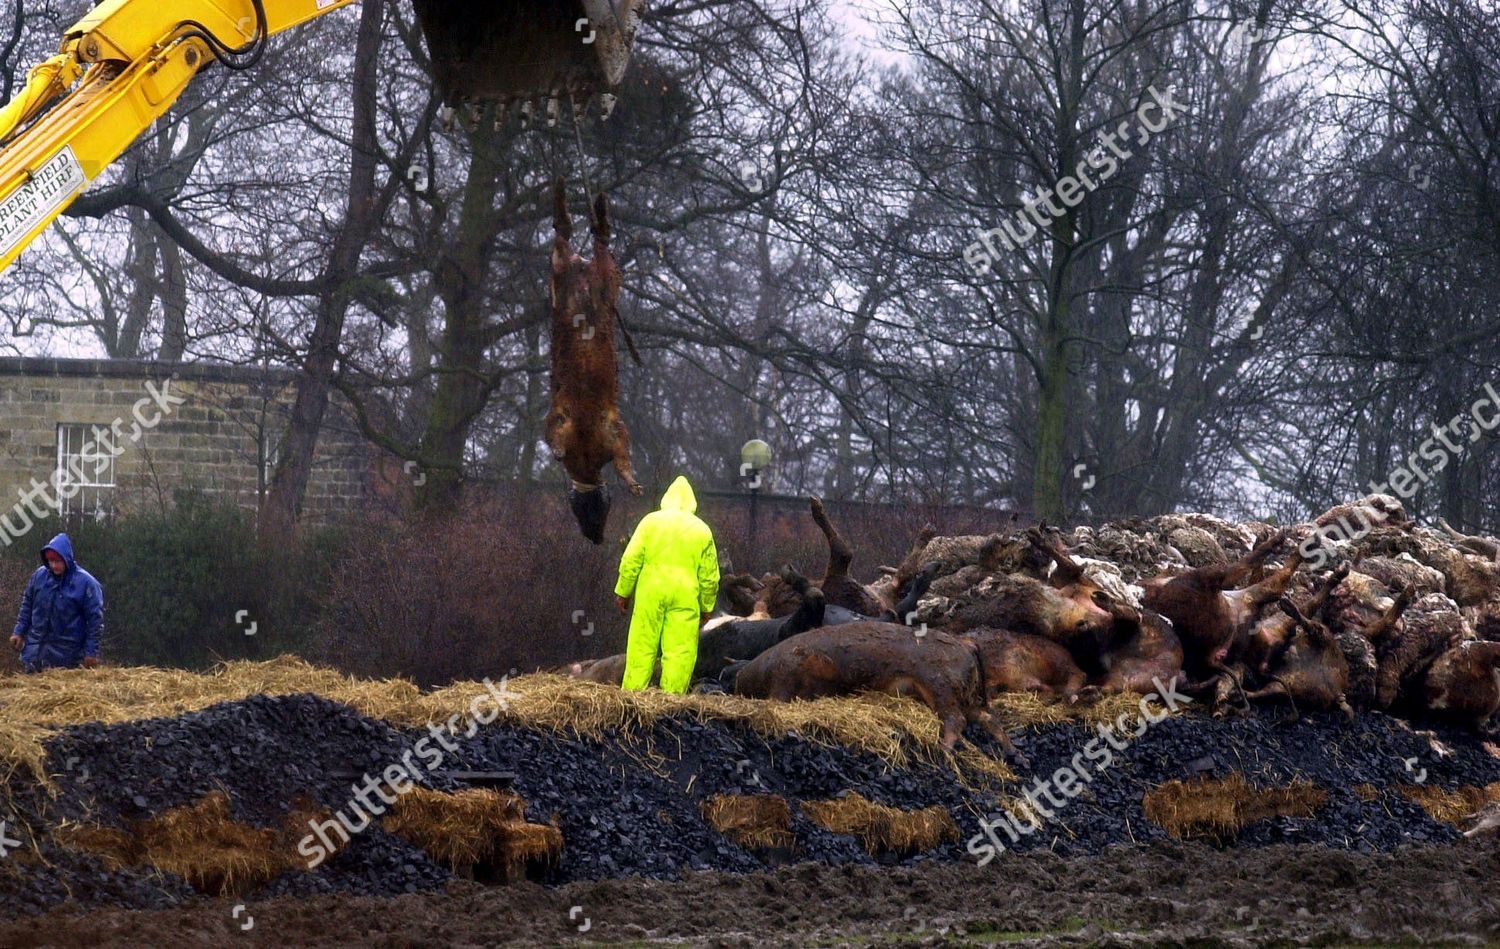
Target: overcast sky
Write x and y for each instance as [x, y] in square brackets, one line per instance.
[858, 17]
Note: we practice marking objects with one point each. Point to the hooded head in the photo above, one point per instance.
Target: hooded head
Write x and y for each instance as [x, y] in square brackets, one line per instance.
[62, 547]
[680, 497]
[591, 510]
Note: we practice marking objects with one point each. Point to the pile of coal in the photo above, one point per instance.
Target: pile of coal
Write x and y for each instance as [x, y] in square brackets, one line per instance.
[628, 804]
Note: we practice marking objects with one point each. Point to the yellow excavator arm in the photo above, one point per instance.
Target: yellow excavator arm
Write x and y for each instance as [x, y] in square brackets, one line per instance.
[124, 64]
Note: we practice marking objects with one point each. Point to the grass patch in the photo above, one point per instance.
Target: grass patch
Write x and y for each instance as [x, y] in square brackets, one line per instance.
[1030, 710]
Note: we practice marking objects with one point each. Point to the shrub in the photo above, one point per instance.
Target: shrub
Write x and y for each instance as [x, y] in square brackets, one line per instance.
[175, 583]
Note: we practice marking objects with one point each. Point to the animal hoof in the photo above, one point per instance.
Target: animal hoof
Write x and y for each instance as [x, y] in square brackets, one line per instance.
[637, 490]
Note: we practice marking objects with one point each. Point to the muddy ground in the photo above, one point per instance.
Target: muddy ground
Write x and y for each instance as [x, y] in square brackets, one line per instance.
[1164, 893]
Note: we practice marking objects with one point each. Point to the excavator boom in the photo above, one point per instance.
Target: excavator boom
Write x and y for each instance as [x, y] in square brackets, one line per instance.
[126, 62]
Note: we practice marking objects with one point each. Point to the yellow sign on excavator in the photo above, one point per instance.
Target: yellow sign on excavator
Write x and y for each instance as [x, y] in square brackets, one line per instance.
[125, 63]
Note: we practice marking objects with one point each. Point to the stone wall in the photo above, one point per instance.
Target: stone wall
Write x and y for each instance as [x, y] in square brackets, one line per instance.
[210, 440]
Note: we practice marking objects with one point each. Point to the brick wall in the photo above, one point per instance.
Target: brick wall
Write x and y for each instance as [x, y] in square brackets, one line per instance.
[210, 441]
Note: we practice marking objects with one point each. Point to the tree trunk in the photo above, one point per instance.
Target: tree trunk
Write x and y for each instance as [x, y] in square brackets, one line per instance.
[174, 300]
[461, 278]
[278, 516]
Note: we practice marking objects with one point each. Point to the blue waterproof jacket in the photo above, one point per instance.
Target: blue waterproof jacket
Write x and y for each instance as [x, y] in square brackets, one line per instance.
[61, 617]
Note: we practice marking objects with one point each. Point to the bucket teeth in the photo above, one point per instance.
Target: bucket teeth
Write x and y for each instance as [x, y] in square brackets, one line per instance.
[446, 115]
[526, 111]
[580, 109]
[502, 112]
[607, 102]
[552, 111]
[471, 116]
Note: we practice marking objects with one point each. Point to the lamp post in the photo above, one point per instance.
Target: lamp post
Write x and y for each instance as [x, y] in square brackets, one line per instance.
[755, 457]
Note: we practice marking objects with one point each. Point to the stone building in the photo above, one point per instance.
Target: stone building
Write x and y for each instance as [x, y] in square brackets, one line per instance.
[97, 437]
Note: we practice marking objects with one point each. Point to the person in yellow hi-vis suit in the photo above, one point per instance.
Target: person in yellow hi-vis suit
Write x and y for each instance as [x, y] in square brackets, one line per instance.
[672, 567]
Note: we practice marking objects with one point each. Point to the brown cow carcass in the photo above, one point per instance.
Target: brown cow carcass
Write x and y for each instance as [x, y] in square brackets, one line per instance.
[725, 639]
[1429, 627]
[940, 671]
[584, 428]
[1270, 634]
[1211, 616]
[1017, 662]
[1306, 668]
[1141, 655]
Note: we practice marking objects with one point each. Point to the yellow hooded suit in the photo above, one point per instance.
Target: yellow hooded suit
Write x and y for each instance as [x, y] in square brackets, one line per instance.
[672, 567]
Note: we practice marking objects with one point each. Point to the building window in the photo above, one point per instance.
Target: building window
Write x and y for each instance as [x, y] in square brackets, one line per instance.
[85, 471]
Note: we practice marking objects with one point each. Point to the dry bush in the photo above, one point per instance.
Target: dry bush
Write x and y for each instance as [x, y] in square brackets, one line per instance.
[1219, 808]
[882, 829]
[495, 586]
[1451, 807]
[752, 821]
[1366, 792]
[475, 830]
[506, 581]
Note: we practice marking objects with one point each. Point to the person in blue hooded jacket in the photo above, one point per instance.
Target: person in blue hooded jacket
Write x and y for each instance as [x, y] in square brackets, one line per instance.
[62, 613]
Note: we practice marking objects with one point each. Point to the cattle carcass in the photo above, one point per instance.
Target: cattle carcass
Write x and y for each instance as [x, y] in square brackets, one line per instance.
[1428, 628]
[1017, 662]
[1272, 632]
[941, 671]
[1140, 655]
[1069, 608]
[723, 639]
[1463, 683]
[1212, 620]
[1307, 668]
[584, 428]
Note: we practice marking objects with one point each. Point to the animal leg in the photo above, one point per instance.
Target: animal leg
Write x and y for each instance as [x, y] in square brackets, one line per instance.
[953, 729]
[1224, 670]
[622, 458]
[1276, 689]
[907, 569]
[562, 223]
[1346, 708]
[1012, 754]
[840, 555]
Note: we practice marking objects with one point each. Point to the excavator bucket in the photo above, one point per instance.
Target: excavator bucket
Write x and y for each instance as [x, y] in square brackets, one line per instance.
[503, 50]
